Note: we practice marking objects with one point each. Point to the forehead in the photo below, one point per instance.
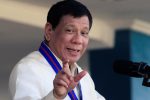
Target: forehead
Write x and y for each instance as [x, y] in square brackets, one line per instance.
[69, 20]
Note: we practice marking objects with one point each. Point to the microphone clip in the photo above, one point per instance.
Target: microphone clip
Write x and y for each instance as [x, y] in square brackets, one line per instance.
[146, 81]
[146, 76]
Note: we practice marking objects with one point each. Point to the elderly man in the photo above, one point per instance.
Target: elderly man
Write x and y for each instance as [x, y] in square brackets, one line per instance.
[52, 72]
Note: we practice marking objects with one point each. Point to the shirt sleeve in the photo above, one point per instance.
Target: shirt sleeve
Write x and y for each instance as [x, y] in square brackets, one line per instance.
[25, 84]
[50, 96]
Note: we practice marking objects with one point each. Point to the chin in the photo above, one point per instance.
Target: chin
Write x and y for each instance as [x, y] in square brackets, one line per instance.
[72, 60]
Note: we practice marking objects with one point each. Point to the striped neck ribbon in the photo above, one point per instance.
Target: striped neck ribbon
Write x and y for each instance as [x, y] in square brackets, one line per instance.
[51, 59]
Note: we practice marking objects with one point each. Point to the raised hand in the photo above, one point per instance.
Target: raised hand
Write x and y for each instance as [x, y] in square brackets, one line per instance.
[65, 81]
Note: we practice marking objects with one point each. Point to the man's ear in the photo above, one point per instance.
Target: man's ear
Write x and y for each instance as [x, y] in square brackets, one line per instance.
[48, 31]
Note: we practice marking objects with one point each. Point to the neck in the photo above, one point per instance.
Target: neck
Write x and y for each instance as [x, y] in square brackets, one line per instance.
[73, 69]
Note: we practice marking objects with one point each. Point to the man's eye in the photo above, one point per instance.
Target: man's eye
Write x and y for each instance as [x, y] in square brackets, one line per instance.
[84, 33]
[69, 30]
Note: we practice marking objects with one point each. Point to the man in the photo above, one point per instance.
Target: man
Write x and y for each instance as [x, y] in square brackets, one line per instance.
[52, 73]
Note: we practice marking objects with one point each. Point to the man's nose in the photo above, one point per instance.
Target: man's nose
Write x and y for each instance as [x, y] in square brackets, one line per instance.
[77, 39]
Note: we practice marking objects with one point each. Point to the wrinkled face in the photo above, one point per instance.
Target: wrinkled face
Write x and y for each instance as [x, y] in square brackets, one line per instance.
[70, 38]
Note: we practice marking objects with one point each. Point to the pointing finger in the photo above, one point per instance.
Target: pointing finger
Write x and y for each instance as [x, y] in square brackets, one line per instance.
[78, 77]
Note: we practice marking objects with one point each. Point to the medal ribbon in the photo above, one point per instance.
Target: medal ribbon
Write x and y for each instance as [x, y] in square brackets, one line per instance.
[48, 55]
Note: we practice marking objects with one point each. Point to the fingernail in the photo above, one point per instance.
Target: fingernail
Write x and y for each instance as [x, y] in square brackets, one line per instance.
[65, 62]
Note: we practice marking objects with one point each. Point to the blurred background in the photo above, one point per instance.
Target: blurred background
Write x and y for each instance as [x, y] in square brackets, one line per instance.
[121, 30]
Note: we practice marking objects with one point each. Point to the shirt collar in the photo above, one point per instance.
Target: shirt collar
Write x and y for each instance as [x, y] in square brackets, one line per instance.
[74, 66]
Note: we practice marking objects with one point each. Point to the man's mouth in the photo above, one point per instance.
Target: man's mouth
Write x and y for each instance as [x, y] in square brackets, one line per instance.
[73, 50]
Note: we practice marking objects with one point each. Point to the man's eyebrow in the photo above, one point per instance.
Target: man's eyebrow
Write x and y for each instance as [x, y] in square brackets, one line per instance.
[71, 25]
[86, 28]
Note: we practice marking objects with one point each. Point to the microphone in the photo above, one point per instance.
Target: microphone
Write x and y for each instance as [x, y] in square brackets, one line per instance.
[133, 69]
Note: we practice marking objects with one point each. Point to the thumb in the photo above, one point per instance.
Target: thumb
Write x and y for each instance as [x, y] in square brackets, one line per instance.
[78, 77]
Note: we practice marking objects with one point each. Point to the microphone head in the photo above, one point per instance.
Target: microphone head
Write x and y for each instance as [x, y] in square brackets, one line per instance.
[126, 68]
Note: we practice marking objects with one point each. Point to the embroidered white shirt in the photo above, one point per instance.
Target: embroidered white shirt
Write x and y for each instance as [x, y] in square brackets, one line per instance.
[32, 79]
